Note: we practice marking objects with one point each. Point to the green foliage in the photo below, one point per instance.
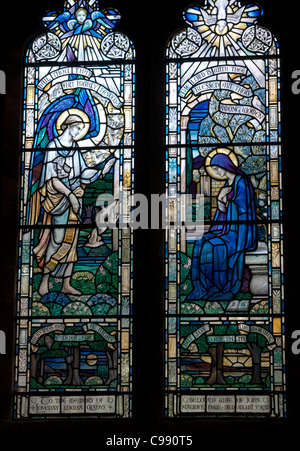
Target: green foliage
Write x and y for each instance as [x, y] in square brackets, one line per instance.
[261, 307]
[213, 307]
[38, 309]
[34, 384]
[53, 380]
[94, 380]
[268, 381]
[245, 379]
[106, 278]
[186, 381]
[186, 285]
[185, 288]
[242, 296]
[199, 381]
[52, 353]
[97, 188]
[185, 266]
[76, 308]
[101, 309]
[84, 281]
[54, 309]
[113, 384]
[191, 308]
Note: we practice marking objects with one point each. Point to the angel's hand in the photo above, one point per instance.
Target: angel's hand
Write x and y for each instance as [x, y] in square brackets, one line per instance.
[74, 203]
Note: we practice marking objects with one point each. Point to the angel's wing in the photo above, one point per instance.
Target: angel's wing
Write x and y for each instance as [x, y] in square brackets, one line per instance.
[44, 134]
[53, 21]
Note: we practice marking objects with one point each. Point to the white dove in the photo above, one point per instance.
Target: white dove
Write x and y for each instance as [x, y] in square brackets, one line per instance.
[219, 14]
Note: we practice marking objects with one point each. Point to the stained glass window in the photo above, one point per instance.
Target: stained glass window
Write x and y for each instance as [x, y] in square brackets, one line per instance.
[225, 348]
[74, 305]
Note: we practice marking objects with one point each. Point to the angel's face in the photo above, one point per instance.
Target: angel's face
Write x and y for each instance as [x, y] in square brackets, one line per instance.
[75, 130]
[81, 16]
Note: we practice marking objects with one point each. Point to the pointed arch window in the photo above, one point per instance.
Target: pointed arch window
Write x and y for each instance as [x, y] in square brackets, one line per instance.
[224, 267]
[74, 300]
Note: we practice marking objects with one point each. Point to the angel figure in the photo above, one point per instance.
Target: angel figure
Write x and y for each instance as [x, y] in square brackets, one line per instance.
[63, 175]
[81, 20]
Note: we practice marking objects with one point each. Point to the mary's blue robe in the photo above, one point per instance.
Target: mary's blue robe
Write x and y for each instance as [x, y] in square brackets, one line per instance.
[218, 257]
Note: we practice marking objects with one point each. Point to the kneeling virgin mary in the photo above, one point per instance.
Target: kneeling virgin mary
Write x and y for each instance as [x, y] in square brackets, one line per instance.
[218, 257]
